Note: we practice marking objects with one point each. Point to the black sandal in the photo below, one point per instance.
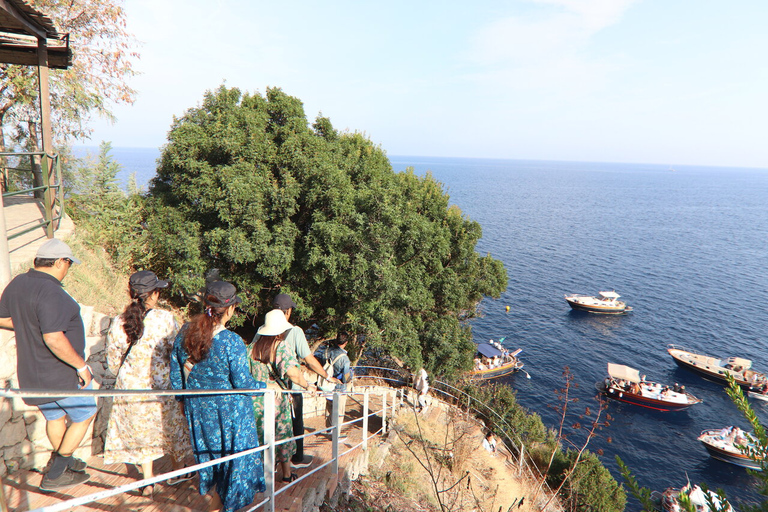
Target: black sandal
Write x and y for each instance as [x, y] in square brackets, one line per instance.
[291, 478]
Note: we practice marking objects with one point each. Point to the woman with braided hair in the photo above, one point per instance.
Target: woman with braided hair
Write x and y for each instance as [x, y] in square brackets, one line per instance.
[206, 355]
[143, 428]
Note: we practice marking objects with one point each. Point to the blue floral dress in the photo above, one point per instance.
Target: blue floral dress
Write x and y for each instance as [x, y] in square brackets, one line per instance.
[284, 359]
[222, 425]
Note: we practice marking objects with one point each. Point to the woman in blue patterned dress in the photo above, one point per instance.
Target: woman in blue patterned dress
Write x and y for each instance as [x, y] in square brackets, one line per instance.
[208, 356]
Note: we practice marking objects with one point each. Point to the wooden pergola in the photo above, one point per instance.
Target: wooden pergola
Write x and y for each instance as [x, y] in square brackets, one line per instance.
[29, 38]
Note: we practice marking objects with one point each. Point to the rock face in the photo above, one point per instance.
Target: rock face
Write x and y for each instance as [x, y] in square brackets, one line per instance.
[23, 442]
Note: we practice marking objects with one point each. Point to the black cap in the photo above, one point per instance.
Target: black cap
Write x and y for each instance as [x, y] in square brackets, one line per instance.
[145, 281]
[284, 302]
[221, 294]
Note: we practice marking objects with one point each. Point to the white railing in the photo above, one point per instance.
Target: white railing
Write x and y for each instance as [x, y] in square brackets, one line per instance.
[268, 448]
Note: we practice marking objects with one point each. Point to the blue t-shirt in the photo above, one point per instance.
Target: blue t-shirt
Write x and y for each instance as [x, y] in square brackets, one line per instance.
[341, 367]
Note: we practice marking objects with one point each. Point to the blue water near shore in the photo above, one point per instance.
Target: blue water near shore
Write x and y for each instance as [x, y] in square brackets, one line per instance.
[688, 249]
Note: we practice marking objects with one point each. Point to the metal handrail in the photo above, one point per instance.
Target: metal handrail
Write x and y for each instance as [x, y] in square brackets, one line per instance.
[53, 193]
[268, 447]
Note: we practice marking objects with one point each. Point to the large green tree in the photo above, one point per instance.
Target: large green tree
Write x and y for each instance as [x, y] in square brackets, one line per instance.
[246, 185]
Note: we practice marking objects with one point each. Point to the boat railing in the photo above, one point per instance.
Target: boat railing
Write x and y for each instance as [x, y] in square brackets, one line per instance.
[686, 349]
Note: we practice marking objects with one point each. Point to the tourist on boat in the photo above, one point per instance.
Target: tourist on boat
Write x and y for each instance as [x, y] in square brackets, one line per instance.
[142, 428]
[272, 361]
[208, 356]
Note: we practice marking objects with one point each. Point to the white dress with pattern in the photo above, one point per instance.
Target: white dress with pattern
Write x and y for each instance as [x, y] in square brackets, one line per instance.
[144, 428]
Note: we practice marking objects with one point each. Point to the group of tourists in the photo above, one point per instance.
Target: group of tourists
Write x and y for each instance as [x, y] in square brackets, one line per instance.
[147, 349]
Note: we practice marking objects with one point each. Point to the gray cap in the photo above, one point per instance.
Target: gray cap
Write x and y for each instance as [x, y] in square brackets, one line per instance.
[55, 249]
[284, 302]
[145, 281]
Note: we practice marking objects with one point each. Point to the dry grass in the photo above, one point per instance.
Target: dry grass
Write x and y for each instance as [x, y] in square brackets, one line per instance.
[443, 450]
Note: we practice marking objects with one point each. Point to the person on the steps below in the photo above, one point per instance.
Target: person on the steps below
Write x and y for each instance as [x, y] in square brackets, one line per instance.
[50, 344]
[335, 353]
[422, 387]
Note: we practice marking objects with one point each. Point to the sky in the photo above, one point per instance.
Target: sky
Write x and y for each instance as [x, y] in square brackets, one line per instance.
[673, 82]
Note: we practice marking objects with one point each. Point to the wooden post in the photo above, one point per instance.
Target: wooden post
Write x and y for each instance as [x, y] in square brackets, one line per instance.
[45, 125]
[269, 453]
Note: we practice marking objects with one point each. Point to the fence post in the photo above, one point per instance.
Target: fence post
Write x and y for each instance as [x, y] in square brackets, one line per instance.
[269, 453]
[49, 194]
[335, 433]
[384, 413]
[365, 420]
[520, 461]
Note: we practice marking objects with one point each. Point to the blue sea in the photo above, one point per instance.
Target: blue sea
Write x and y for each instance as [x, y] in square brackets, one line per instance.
[687, 248]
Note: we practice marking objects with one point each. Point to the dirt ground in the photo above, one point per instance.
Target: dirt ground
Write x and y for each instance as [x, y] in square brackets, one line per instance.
[438, 452]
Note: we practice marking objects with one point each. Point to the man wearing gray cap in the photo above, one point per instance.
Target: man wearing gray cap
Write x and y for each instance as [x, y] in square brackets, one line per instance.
[296, 342]
[50, 355]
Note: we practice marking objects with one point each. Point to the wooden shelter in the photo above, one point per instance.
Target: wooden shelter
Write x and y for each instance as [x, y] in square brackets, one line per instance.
[29, 38]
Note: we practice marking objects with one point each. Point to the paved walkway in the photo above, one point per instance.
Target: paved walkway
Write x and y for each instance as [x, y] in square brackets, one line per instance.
[23, 212]
[22, 493]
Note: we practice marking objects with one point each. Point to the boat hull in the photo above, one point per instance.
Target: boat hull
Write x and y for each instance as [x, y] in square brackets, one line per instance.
[642, 401]
[731, 458]
[495, 373]
[590, 308]
[710, 372]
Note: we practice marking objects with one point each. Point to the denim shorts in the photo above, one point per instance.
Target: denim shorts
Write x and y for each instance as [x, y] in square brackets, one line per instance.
[78, 408]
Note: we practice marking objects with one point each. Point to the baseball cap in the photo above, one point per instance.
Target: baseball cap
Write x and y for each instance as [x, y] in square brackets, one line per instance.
[145, 281]
[55, 249]
[221, 294]
[283, 301]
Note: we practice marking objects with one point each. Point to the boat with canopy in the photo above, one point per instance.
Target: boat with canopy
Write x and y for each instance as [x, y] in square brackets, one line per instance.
[492, 362]
[607, 303]
[626, 385]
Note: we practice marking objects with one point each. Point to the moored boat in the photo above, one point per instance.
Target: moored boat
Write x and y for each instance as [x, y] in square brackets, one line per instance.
[494, 362]
[607, 303]
[717, 369]
[722, 445]
[669, 500]
[625, 384]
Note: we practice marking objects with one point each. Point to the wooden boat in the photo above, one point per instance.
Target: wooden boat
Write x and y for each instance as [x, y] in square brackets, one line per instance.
[721, 445]
[624, 384]
[485, 369]
[668, 501]
[606, 303]
[759, 395]
[716, 369]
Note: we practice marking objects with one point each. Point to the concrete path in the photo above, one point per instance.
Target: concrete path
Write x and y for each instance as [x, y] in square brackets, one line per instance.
[22, 212]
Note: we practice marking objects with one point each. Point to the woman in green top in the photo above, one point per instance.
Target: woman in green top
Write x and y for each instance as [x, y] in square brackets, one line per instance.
[271, 360]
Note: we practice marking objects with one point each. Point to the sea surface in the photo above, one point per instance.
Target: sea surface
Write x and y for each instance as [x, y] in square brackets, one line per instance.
[686, 247]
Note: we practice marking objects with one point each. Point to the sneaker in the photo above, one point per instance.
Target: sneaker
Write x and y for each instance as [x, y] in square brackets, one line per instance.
[67, 479]
[75, 464]
[304, 463]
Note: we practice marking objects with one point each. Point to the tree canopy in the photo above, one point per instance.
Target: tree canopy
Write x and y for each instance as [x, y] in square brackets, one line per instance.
[247, 186]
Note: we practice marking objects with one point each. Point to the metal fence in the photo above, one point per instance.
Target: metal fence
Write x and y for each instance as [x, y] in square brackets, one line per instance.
[268, 448]
[51, 188]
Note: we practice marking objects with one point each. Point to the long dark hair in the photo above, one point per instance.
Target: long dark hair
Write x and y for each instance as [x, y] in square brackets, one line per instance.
[133, 316]
[265, 347]
[199, 336]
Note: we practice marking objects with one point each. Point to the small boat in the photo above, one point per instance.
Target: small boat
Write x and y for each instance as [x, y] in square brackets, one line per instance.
[721, 445]
[607, 303]
[759, 395]
[716, 369]
[668, 501]
[493, 362]
[624, 384]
